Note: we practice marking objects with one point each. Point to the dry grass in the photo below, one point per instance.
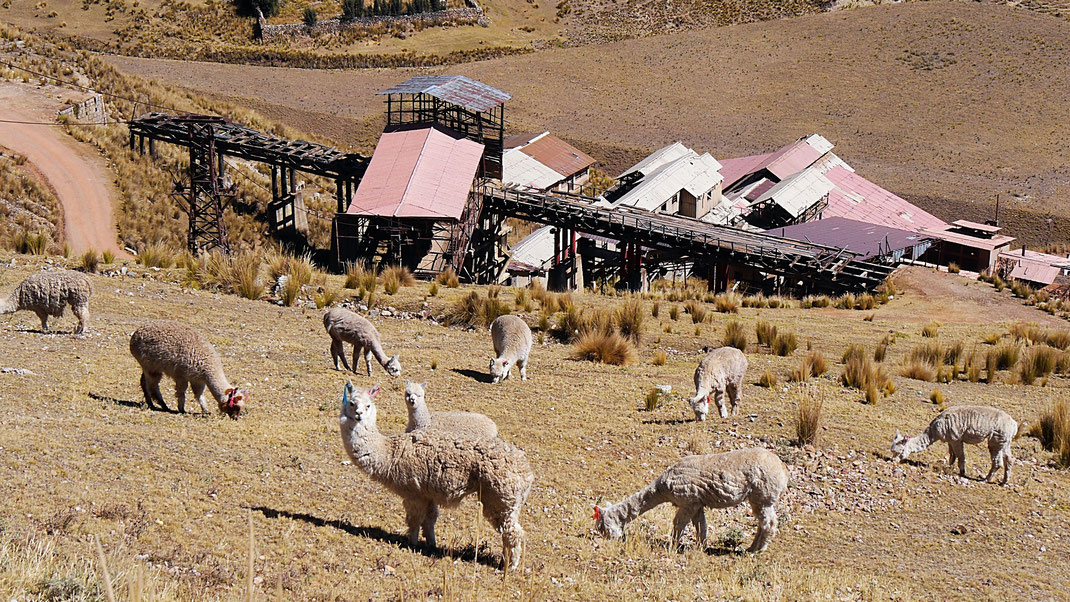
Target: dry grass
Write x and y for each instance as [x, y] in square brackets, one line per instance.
[808, 420]
[727, 303]
[765, 332]
[156, 255]
[803, 371]
[735, 335]
[1052, 429]
[853, 351]
[449, 279]
[931, 330]
[785, 344]
[660, 357]
[818, 365]
[767, 379]
[355, 274]
[604, 348]
[918, 370]
[929, 352]
[473, 310]
[1005, 355]
[629, 318]
[865, 375]
[937, 397]
[652, 400]
[90, 261]
[1038, 362]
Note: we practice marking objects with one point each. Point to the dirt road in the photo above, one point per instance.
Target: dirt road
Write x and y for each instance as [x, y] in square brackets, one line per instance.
[75, 173]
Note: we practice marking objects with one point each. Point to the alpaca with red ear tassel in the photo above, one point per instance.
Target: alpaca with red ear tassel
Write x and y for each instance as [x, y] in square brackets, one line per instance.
[429, 468]
[512, 345]
[172, 348]
[755, 475]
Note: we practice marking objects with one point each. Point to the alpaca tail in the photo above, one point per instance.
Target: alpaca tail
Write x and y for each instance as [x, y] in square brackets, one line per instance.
[9, 304]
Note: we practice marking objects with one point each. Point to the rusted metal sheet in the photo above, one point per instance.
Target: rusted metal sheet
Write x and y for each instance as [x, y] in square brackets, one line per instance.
[455, 89]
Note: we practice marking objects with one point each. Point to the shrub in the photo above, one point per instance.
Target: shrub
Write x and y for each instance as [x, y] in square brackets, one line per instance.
[156, 255]
[931, 330]
[310, 17]
[765, 332]
[1052, 429]
[448, 278]
[603, 348]
[660, 357]
[735, 335]
[351, 9]
[854, 350]
[726, 303]
[953, 268]
[785, 343]
[269, 8]
[90, 261]
[674, 312]
[918, 370]
[808, 420]
[629, 318]
[108, 257]
[818, 366]
[767, 379]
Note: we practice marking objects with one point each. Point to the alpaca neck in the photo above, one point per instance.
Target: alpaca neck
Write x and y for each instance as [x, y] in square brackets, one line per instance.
[380, 355]
[637, 503]
[217, 386]
[9, 304]
[419, 417]
[366, 446]
[919, 443]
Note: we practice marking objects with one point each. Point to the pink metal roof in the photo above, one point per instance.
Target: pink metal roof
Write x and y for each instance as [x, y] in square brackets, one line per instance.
[987, 244]
[792, 159]
[418, 173]
[963, 223]
[857, 198]
[734, 170]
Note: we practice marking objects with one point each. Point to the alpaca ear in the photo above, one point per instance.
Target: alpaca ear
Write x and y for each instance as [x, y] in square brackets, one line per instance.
[228, 391]
[898, 435]
[374, 391]
[423, 386]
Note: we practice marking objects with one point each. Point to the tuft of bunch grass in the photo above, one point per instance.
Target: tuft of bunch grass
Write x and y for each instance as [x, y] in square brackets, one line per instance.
[656, 309]
[973, 365]
[604, 348]
[992, 338]
[785, 344]
[918, 370]
[953, 353]
[473, 310]
[432, 291]
[727, 303]
[808, 420]
[355, 273]
[735, 335]
[698, 311]
[520, 298]
[765, 332]
[881, 351]
[937, 397]
[802, 372]
[953, 268]
[325, 298]
[674, 312]
[931, 330]
[156, 255]
[929, 352]
[1060, 339]
[1038, 362]
[660, 357]
[818, 365]
[448, 278]
[291, 290]
[396, 276]
[767, 379]
[629, 318]
[90, 261]
[1052, 429]
[854, 350]
[243, 276]
[652, 400]
[861, 373]
[1027, 332]
[28, 243]
[108, 257]
[1005, 355]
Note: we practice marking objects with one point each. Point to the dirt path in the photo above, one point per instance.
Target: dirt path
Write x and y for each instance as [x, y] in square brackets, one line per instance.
[81, 183]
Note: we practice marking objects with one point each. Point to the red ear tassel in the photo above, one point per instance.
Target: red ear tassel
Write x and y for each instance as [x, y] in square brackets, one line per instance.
[597, 513]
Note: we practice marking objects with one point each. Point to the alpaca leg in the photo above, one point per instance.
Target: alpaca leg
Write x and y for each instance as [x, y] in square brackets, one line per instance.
[82, 313]
[960, 454]
[145, 389]
[198, 392]
[735, 395]
[995, 450]
[523, 365]
[699, 522]
[767, 526]
[358, 352]
[44, 320]
[951, 456]
[1008, 459]
[153, 382]
[338, 352]
[180, 394]
[430, 518]
[718, 396]
[679, 524]
[414, 518]
[368, 360]
[506, 519]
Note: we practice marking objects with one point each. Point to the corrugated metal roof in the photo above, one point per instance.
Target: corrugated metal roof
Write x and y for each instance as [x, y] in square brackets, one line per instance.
[534, 250]
[799, 192]
[1033, 266]
[857, 198]
[418, 173]
[456, 89]
[734, 170]
[697, 174]
[963, 223]
[659, 158]
[558, 155]
[870, 240]
[522, 169]
[517, 140]
[987, 244]
[796, 156]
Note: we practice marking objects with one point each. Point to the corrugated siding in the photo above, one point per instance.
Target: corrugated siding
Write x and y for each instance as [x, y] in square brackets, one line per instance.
[558, 155]
[455, 89]
[857, 198]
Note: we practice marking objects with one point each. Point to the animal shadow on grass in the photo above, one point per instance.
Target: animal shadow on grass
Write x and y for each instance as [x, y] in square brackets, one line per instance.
[669, 421]
[464, 553]
[129, 404]
[478, 376]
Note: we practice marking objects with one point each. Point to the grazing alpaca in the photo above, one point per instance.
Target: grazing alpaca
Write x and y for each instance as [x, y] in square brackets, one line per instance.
[512, 345]
[463, 424]
[959, 425]
[430, 468]
[721, 371]
[48, 293]
[695, 483]
[345, 326]
[172, 348]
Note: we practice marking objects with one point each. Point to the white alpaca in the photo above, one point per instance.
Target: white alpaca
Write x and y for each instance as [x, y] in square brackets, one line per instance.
[345, 326]
[720, 371]
[172, 348]
[512, 345]
[695, 483]
[48, 293]
[959, 425]
[430, 468]
[470, 425]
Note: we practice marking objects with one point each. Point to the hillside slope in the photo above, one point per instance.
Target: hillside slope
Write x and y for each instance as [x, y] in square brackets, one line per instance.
[946, 103]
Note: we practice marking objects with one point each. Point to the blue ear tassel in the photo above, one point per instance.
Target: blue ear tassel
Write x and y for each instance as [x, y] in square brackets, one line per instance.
[345, 395]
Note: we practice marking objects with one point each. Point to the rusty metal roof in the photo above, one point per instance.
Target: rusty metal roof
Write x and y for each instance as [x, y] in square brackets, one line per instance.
[868, 240]
[557, 154]
[454, 89]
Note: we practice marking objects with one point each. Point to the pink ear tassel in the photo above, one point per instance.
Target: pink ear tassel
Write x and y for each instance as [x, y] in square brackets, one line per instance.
[597, 513]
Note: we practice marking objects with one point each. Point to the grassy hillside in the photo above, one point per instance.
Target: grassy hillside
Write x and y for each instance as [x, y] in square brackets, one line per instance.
[948, 104]
[82, 456]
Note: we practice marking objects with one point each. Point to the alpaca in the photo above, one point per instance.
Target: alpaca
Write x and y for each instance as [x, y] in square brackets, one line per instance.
[345, 326]
[429, 468]
[463, 424]
[512, 344]
[48, 293]
[959, 425]
[172, 348]
[721, 371]
[754, 475]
